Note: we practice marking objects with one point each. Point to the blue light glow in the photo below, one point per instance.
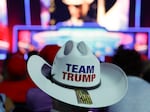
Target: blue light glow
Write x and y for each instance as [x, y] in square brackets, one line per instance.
[27, 12]
[137, 13]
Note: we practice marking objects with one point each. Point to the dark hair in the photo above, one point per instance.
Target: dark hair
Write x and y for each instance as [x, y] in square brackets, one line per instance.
[146, 71]
[129, 60]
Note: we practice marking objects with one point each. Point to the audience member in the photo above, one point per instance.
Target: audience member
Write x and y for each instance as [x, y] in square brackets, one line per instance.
[129, 60]
[6, 104]
[137, 98]
[16, 67]
[17, 82]
[78, 10]
[73, 94]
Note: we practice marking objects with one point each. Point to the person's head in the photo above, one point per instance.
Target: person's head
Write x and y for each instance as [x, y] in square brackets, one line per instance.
[16, 67]
[129, 60]
[78, 8]
[75, 11]
[78, 79]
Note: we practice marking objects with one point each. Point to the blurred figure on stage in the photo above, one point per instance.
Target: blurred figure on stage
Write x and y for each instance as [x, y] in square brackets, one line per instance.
[78, 10]
[116, 18]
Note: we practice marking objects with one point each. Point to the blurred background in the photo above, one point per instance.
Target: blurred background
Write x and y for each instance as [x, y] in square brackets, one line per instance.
[27, 25]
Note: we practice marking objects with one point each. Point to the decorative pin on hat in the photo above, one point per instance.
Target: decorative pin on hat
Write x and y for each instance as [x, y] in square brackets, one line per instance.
[78, 78]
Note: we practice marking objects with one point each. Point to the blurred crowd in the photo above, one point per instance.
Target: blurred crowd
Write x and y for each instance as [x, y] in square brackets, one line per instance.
[20, 94]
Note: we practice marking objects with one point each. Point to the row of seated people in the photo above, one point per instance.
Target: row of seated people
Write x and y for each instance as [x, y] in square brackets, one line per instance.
[23, 95]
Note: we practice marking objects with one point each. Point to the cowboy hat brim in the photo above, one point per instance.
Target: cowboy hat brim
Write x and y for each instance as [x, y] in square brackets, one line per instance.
[112, 89]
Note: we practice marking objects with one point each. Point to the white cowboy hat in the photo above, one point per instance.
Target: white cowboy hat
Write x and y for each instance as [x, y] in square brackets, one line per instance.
[76, 2]
[78, 78]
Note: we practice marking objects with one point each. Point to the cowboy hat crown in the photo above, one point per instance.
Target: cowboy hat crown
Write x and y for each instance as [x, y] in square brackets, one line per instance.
[77, 65]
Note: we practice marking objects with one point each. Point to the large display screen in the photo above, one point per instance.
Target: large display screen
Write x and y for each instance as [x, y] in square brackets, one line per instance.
[101, 41]
[100, 11]
[4, 37]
